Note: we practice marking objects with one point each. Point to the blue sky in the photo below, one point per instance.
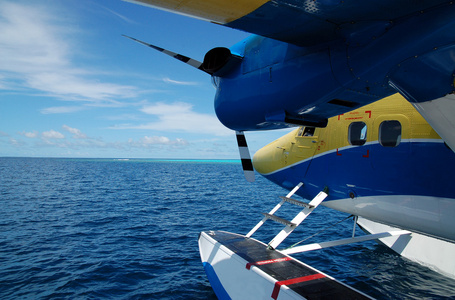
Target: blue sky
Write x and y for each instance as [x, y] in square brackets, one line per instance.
[72, 86]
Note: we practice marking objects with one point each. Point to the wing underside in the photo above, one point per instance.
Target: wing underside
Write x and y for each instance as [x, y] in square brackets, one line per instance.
[299, 22]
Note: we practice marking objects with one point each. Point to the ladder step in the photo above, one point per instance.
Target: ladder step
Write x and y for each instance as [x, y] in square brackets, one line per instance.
[297, 202]
[279, 220]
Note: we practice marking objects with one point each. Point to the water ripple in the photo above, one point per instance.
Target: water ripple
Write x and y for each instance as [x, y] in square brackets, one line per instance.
[96, 229]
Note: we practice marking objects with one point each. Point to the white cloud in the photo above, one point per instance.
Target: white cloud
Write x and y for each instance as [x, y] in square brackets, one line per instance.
[180, 117]
[128, 20]
[3, 82]
[122, 117]
[15, 142]
[156, 140]
[168, 80]
[52, 134]
[36, 51]
[30, 135]
[77, 134]
[61, 109]
[148, 141]
[28, 40]
[161, 108]
[67, 83]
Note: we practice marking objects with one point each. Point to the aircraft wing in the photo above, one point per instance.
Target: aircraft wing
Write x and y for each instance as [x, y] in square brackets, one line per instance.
[299, 22]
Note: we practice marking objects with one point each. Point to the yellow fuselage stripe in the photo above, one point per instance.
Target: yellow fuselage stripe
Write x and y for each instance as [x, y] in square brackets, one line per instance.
[217, 11]
[292, 149]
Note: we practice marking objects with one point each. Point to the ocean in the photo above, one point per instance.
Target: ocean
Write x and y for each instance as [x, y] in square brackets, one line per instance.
[128, 229]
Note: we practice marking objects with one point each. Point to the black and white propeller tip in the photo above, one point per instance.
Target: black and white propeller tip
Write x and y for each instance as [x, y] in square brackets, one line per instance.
[185, 59]
[245, 157]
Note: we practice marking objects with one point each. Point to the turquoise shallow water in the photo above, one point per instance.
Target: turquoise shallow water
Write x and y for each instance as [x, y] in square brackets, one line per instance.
[127, 229]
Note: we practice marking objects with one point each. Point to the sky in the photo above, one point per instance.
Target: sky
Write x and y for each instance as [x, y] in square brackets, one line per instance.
[72, 86]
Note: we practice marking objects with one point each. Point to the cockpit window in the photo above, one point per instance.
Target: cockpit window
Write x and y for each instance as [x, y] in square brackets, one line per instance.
[306, 131]
[390, 133]
[357, 133]
[309, 131]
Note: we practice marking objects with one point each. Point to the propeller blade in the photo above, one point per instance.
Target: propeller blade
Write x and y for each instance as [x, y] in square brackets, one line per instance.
[247, 164]
[189, 61]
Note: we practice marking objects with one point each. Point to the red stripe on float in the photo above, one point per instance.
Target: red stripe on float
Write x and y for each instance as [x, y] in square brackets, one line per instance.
[278, 284]
[266, 262]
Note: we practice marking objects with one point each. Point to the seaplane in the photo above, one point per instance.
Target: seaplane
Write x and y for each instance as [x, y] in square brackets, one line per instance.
[369, 88]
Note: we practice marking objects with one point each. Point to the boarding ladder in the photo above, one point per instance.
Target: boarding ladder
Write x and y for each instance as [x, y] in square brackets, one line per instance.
[298, 219]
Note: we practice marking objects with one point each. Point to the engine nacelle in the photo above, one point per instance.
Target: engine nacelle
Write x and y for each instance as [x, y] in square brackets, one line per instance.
[220, 61]
[276, 85]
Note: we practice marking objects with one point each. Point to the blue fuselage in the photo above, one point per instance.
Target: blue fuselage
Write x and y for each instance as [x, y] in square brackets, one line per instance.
[278, 84]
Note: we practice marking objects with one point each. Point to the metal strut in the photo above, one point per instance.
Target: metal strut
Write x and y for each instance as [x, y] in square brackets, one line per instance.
[369, 237]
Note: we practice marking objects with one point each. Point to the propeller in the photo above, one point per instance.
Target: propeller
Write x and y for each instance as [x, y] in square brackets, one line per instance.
[217, 62]
[247, 164]
[189, 61]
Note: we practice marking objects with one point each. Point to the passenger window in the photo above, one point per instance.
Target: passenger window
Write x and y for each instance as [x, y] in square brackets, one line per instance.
[390, 133]
[357, 133]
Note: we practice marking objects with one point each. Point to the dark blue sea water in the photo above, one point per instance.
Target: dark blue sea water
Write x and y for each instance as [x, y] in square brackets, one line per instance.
[104, 228]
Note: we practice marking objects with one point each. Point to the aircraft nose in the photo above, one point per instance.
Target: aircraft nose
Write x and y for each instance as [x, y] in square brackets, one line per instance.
[265, 159]
[275, 155]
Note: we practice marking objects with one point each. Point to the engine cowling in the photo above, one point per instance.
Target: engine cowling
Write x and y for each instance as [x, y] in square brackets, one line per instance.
[219, 61]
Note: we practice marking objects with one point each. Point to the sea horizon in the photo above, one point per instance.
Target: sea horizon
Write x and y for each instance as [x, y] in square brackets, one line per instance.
[133, 159]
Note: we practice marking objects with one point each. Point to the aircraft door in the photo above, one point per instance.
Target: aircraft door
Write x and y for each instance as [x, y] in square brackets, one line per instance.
[305, 143]
[305, 146]
[310, 142]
